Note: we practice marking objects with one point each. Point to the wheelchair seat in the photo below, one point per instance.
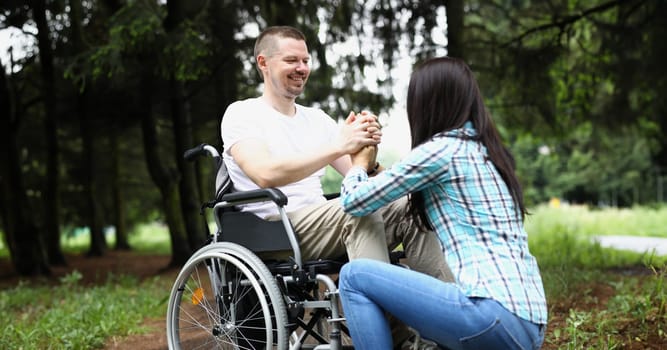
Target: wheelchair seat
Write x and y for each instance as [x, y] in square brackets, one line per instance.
[268, 239]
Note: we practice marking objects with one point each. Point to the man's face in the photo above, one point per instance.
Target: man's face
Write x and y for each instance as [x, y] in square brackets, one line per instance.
[287, 69]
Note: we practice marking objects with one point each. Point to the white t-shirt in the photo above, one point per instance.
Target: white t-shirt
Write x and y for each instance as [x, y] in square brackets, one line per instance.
[308, 129]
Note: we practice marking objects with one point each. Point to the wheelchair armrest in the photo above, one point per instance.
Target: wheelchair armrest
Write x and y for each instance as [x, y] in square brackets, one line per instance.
[262, 194]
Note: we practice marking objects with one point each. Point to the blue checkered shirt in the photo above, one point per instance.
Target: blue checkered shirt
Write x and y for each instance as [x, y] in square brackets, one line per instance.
[473, 214]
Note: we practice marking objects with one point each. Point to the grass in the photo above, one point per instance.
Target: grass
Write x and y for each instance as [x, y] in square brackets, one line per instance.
[595, 309]
[150, 238]
[562, 238]
[584, 221]
[593, 302]
[72, 316]
[600, 298]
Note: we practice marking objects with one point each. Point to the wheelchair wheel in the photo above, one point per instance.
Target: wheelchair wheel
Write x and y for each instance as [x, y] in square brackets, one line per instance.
[226, 298]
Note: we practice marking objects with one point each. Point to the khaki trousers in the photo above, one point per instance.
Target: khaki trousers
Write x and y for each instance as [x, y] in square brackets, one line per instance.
[326, 232]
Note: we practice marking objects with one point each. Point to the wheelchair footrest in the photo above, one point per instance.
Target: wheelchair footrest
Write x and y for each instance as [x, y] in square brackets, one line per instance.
[320, 266]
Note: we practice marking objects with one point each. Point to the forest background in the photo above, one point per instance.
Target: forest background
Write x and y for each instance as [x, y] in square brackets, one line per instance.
[98, 107]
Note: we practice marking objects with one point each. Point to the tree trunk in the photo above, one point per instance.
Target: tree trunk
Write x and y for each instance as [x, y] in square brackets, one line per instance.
[195, 223]
[52, 191]
[98, 244]
[225, 85]
[189, 192]
[93, 217]
[166, 179]
[455, 15]
[26, 248]
[118, 198]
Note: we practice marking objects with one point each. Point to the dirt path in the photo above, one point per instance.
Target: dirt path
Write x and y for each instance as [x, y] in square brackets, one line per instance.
[155, 339]
[96, 269]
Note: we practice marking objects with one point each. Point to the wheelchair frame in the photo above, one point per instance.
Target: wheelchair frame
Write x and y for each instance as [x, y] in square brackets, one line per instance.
[226, 297]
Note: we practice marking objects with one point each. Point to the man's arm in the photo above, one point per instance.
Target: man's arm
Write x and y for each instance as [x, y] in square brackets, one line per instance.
[342, 164]
[266, 170]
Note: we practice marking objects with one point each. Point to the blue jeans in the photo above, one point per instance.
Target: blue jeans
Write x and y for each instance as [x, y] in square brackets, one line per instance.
[437, 310]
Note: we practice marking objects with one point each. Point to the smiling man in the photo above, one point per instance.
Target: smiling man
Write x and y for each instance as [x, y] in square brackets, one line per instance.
[272, 141]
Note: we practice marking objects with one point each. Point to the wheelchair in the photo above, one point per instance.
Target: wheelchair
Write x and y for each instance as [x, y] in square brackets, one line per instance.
[227, 297]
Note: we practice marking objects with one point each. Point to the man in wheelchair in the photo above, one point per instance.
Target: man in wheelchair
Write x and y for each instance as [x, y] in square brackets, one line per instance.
[271, 141]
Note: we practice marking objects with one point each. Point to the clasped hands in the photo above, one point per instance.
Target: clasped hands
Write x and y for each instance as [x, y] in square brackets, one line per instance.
[361, 133]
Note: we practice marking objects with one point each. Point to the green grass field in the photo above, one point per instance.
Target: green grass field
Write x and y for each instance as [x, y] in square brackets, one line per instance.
[575, 270]
[600, 298]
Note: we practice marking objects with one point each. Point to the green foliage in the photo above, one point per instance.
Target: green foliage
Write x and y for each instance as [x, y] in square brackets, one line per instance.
[135, 31]
[578, 78]
[150, 238]
[73, 316]
[185, 53]
[136, 36]
[586, 166]
[331, 181]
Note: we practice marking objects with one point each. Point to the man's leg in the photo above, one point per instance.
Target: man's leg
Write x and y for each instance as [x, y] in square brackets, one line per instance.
[423, 250]
[326, 231]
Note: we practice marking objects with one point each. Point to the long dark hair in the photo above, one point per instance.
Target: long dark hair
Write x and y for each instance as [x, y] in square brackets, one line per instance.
[443, 94]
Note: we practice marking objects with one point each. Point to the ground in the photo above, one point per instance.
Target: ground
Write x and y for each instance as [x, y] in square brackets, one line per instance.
[95, 270]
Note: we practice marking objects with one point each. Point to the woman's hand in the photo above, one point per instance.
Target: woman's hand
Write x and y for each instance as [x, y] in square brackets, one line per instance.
[365, 158]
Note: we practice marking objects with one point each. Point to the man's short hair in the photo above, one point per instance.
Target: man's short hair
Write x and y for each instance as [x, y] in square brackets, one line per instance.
[266, 43]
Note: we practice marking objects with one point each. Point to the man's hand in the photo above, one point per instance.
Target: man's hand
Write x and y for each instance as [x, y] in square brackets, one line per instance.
[358, 131]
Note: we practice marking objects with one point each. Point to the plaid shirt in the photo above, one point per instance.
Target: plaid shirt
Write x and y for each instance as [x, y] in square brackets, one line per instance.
[473, 214]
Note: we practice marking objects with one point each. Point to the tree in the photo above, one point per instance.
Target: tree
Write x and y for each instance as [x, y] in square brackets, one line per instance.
[25, 244]
[52, 209]
[554, 69]
[177, 27]
[98, 244]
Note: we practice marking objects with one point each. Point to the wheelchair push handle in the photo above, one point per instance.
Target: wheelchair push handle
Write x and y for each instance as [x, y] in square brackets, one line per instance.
[201, 150]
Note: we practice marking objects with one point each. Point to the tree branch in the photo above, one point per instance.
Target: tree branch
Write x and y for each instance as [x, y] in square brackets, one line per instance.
[567, 20]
